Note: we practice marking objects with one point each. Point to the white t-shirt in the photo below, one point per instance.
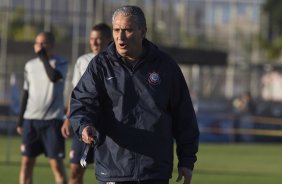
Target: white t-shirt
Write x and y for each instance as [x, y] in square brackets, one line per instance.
[45, 98]
[80, 67]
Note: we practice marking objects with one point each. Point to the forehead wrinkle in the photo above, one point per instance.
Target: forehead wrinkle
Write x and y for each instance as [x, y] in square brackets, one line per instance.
[127, 23]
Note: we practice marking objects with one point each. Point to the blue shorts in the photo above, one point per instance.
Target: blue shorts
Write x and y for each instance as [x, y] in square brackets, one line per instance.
[76, 152]
[43, 136]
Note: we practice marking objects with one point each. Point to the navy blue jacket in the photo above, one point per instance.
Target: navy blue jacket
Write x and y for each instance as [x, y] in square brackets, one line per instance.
[138, 112]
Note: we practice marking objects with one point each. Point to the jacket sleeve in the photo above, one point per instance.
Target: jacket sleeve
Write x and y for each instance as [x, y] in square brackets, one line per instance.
[185, 127]
[53, 74]
[23, 108]
[85, 101]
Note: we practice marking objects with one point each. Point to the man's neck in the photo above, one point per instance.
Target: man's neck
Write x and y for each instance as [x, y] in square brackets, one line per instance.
[131, 59]
[134, 58]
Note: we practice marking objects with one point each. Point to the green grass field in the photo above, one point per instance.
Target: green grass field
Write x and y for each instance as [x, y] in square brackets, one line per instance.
[217, 164]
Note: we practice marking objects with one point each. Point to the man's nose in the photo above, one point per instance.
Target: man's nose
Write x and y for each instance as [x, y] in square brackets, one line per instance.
[122, 35]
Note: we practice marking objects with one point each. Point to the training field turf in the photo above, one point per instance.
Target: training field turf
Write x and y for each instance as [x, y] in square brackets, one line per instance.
[217, 164]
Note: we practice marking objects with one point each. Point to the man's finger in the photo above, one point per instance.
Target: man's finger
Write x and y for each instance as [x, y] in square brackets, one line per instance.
[65, 129]
[186, 173]
[65, 133]
[179, 178]
[87, 139]
[90, 140]
[88, 135]
[19, 130]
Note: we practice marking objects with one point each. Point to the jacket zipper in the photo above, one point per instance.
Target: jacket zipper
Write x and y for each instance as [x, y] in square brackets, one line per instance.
[131, 73]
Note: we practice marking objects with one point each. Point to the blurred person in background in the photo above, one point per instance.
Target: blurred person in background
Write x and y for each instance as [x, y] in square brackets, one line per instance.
[248, 104]
[132, 102]
[42, 110]
[100, 37]
[245, 104]
[244, 108]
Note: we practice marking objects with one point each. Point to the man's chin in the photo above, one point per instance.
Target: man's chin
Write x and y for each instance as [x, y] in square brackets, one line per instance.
[122, 52]
[95, 51]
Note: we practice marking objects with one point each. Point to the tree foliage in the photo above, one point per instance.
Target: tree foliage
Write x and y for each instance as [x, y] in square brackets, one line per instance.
[273, 9]
[19, 30]
[272, 42]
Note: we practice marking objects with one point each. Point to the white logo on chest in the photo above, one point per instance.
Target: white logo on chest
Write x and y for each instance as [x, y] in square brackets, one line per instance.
[154, 78]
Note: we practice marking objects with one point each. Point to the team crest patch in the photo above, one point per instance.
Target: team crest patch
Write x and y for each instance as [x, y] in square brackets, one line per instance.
[154, 78]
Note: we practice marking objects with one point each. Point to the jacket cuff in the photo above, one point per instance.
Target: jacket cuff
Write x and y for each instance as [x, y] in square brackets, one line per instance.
[187, 162]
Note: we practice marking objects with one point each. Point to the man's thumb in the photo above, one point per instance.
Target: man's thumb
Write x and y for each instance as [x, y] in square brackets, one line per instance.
[179, 178]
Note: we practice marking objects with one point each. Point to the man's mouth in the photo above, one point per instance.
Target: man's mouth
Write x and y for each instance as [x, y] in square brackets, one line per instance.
[122, 45]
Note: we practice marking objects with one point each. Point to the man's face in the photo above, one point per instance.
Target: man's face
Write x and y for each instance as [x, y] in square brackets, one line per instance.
[98, 42]
[128, 36]
[40, 42]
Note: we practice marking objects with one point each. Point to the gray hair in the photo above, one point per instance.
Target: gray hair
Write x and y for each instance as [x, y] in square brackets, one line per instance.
[134, 11]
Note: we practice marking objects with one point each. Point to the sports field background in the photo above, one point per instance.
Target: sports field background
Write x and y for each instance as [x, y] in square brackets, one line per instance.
[217, 164]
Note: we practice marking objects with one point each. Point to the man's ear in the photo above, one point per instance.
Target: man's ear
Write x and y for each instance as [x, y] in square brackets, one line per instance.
[144, 31]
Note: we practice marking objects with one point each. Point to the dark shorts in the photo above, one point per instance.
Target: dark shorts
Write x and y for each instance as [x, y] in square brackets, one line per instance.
[43, 136]
[138, 182]
[76, 152]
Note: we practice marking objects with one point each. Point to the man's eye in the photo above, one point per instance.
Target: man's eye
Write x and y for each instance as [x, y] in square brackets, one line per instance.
[129, 30]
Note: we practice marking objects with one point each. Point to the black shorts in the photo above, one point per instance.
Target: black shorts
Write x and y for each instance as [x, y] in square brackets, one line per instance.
[43, 136]
[76, 152]
[137, 182]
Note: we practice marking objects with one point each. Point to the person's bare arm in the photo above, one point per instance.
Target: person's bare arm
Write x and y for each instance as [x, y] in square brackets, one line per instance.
[65, 130]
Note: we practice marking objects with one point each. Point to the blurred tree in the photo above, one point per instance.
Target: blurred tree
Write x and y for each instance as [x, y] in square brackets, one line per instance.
[272, 41]
[21, 31]
[18, 30]
[273, 9]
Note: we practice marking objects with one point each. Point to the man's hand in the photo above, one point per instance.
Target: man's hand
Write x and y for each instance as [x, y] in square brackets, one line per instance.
[65, 130]
[187, 173]
[19, 130]
[88, 135]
